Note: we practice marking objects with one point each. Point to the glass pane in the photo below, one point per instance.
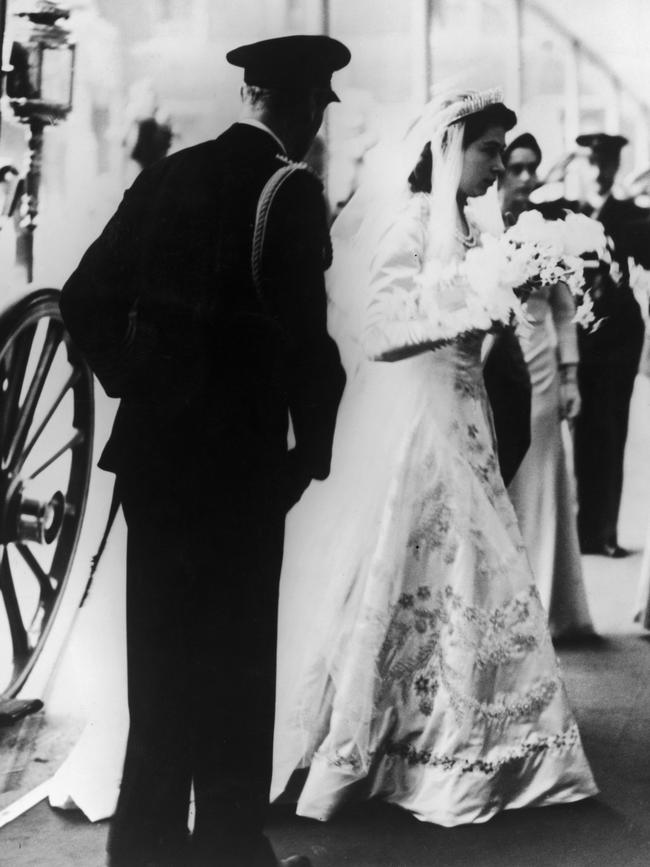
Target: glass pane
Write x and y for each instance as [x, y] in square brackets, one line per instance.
[56, 75]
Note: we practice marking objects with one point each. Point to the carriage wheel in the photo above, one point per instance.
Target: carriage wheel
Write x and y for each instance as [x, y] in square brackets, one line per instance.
[46, 438]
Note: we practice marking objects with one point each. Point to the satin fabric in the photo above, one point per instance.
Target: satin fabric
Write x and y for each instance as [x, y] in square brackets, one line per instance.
[542, 490]
[415, 663]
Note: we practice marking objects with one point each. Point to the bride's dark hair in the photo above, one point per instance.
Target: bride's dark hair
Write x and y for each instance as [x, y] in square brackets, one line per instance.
[496, 114]
[420, 177]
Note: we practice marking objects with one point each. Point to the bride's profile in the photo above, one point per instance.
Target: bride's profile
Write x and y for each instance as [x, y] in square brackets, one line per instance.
[415, 663]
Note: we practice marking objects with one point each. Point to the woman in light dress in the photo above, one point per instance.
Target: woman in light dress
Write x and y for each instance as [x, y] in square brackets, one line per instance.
[415, 662]
[542, 490]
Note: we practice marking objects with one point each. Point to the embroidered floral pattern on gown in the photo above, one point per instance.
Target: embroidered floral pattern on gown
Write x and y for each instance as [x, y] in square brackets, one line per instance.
[415, 663]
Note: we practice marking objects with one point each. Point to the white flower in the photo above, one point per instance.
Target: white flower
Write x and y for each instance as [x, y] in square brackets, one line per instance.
[615, 272]
[584, 315]
[532, 228]
[581, 235]
[521, 263]
[492, 276]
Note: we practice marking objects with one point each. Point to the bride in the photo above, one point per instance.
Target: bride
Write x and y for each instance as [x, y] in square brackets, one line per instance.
[415, 664]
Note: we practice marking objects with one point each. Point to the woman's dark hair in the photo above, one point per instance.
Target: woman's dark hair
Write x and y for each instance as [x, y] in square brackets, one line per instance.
[525, 140]
[420, 177]
[496, 114]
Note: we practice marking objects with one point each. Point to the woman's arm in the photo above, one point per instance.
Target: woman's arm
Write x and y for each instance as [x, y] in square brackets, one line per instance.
[563, 311]
[408, 312]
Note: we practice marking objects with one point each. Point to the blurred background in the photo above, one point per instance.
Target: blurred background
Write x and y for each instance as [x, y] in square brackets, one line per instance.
[565, 68]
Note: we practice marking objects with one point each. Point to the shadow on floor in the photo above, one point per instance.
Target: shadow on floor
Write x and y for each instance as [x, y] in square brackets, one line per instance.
[586, 834]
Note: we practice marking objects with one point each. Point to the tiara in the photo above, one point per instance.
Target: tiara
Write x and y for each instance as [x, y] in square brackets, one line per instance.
[445, 109]
[471, 103]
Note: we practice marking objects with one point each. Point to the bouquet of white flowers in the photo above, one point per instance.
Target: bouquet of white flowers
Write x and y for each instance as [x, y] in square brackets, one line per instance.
[553, 250]
[534, 252]
[491, 284]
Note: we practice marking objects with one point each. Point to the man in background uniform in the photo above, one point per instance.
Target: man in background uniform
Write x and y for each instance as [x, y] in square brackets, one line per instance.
[208, 363]
[609, 355]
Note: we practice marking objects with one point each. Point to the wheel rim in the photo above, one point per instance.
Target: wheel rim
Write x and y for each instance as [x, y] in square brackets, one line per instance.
[46, 436]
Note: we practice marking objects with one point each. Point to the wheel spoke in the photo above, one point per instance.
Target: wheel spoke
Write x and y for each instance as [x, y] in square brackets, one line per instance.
[70, 383]
[75, 440]
[16, 625]
[47, 591]
[14, 369]
[26, 415]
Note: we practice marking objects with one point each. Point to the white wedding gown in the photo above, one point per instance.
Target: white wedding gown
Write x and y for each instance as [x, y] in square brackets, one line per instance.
[415, 663]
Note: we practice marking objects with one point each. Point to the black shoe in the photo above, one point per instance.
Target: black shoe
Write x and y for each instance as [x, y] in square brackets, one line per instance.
[615, 552]
[577, 638]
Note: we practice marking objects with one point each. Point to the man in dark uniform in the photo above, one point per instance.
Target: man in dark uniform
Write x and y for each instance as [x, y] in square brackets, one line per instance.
[609, 356]
[208, 364]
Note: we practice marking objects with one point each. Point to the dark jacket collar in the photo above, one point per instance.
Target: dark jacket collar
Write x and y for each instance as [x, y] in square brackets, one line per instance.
[255, 137]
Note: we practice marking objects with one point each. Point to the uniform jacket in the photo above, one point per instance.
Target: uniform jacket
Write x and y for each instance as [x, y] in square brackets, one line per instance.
[620, 338]
[164, 307]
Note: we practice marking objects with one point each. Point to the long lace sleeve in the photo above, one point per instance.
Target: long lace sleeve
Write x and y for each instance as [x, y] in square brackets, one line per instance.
[563, 311]
[406, 301]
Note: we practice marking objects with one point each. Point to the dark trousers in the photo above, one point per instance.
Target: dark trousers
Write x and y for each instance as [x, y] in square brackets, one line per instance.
[599, 444]
[202, 586]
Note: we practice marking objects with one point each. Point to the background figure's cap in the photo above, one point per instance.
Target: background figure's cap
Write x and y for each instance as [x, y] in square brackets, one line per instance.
[601, 142]
[291, 62]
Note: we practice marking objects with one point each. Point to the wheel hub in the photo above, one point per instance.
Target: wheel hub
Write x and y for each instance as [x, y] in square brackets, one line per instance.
[39, 521]
[27, 519]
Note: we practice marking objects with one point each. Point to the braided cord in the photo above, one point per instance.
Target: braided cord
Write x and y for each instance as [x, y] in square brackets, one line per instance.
[267, 197]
